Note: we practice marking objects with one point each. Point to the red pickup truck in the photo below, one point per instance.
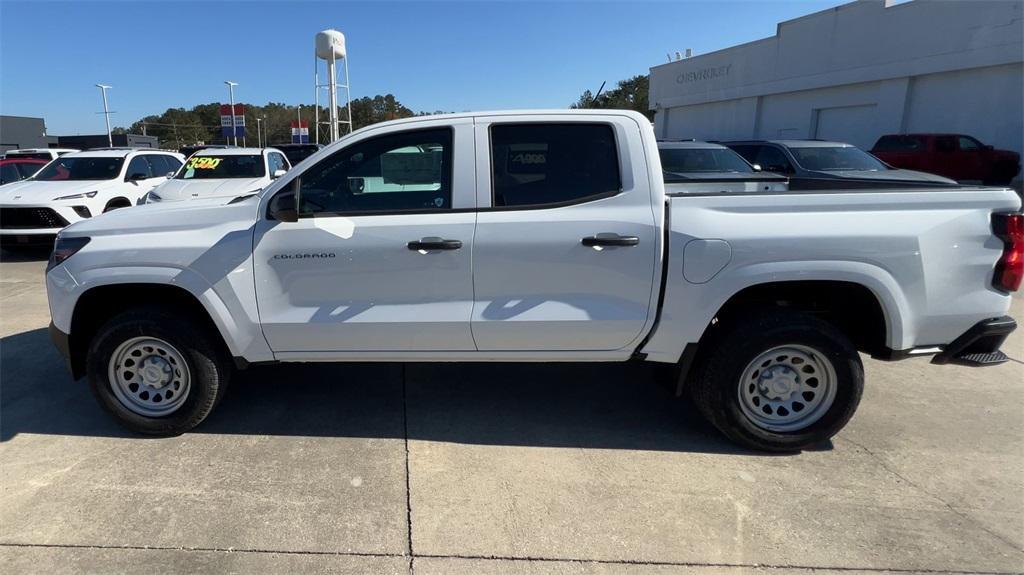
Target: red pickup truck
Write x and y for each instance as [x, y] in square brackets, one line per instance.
[955, 156]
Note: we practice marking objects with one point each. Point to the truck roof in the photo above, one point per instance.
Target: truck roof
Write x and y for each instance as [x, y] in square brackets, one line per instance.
[231, 151]
[796, 143]
[689, 145]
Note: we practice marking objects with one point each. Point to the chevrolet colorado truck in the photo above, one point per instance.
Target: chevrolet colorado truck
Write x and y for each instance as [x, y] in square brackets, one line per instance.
[542, 236]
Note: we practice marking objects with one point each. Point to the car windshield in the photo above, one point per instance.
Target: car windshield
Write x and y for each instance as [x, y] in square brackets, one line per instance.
[690, 160]
[296, 154]
[30, 155]
[836, 159]
[223, 167]
[70, 168]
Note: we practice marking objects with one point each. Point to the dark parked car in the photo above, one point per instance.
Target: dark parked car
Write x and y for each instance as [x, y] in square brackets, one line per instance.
[17, 169]
[952, 155]
[298, 152]
[821, 165]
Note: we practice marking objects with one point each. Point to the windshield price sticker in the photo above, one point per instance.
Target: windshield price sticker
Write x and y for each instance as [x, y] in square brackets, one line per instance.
[203, 163]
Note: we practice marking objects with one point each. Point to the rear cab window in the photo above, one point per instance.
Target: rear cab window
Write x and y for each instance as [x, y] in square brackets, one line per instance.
[545, 165]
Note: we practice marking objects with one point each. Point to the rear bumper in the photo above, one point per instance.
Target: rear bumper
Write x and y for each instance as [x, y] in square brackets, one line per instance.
[979, 346]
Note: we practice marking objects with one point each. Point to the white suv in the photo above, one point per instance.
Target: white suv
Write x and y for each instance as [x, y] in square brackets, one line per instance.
[39, 153]
[222, 172]
[77, 186]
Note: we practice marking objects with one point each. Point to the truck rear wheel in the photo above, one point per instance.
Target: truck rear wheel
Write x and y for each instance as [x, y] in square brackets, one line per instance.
[780, 381]
[156, 372]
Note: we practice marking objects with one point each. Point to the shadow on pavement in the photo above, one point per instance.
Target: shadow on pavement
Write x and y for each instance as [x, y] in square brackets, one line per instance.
[609, 406]
[34, 253]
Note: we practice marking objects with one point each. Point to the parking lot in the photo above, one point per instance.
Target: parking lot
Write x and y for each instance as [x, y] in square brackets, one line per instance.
[437, 468]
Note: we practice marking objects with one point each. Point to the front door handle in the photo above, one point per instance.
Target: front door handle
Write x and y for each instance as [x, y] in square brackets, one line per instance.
[607, 239]
[434, 244]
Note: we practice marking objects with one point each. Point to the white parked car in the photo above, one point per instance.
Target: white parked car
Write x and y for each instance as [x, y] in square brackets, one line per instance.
[222, 172]
[39, 153]
[78, 186]
[690, 166]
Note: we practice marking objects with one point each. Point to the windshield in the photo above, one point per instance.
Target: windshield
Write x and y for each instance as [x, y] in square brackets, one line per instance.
[296, 154]
[689, 160]
[65, 168]
[835, 159]
[222, 167]
[30, 155]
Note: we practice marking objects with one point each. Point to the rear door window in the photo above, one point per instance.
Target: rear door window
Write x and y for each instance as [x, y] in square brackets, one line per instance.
[549, 164]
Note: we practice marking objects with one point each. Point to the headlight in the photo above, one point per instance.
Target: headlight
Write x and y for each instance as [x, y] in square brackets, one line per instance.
[152, 197]
[77, 196]
[64, 248]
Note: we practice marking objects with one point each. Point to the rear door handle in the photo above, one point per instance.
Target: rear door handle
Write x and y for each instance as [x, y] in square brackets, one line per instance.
[434, 244]
[606, 239]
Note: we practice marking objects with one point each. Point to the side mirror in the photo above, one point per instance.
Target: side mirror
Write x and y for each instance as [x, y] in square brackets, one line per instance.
[282, 208]
[137, 176]
[757, 167]
[278, 173]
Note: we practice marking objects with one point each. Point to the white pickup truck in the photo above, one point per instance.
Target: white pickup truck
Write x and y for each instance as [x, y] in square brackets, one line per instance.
[535, 236]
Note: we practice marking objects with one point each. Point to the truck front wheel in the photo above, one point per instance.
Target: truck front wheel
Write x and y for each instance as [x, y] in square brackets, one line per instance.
[779, 381]
[156, 372]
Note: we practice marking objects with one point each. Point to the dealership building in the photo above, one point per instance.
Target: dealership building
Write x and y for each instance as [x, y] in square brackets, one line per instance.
[855, 72]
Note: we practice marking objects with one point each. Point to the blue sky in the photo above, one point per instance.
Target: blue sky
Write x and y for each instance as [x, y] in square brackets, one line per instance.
[451, 56]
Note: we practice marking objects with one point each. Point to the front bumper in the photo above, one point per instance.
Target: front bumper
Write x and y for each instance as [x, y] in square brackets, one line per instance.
[62, 342]
[979, 346]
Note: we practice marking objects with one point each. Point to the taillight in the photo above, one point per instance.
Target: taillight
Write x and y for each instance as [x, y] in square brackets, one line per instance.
[1010, 269]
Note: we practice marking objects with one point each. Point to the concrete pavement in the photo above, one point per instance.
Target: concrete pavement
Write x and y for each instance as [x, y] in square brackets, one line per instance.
[560, 469]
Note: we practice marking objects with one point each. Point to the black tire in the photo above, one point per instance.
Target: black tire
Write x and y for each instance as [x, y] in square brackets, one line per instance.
[718, 374]
[208, 365]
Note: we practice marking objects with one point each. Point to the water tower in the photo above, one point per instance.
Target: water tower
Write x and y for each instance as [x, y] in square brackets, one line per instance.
[330, 47]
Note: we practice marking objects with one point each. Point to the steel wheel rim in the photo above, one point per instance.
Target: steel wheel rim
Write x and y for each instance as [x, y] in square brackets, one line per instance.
[149, 376]
[787, 388]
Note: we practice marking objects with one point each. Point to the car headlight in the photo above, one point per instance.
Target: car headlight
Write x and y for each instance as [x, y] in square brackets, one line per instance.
[153, 197]
[64, 248]
[78, 196]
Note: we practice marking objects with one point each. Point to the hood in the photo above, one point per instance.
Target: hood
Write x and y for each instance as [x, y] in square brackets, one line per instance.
[891, 175]
[32, 192]
[176, 190]
[158, 218]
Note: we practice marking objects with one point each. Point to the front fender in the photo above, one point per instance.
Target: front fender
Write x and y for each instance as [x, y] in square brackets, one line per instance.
[228, 302]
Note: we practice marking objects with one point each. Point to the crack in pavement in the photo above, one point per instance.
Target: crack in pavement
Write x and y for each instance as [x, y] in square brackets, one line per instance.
[502, 558]
[885, 465]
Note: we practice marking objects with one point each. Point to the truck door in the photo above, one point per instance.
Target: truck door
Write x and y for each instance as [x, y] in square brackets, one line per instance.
[379, 259]
[565, 255]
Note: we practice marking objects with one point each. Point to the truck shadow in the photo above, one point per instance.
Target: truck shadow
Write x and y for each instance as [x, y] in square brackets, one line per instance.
[605, 406]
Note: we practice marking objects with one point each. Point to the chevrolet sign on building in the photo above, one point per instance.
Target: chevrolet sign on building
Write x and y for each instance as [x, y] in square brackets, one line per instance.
[854, 73]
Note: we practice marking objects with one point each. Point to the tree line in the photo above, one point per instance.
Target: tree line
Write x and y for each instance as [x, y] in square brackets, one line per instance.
[178, 127]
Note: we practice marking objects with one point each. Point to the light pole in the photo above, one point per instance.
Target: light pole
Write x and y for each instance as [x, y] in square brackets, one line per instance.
[106, 112]
[231, 96]
[259, 139]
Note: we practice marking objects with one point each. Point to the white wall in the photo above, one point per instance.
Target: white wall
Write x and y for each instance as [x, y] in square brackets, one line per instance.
[987, 103]
[856, 72]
